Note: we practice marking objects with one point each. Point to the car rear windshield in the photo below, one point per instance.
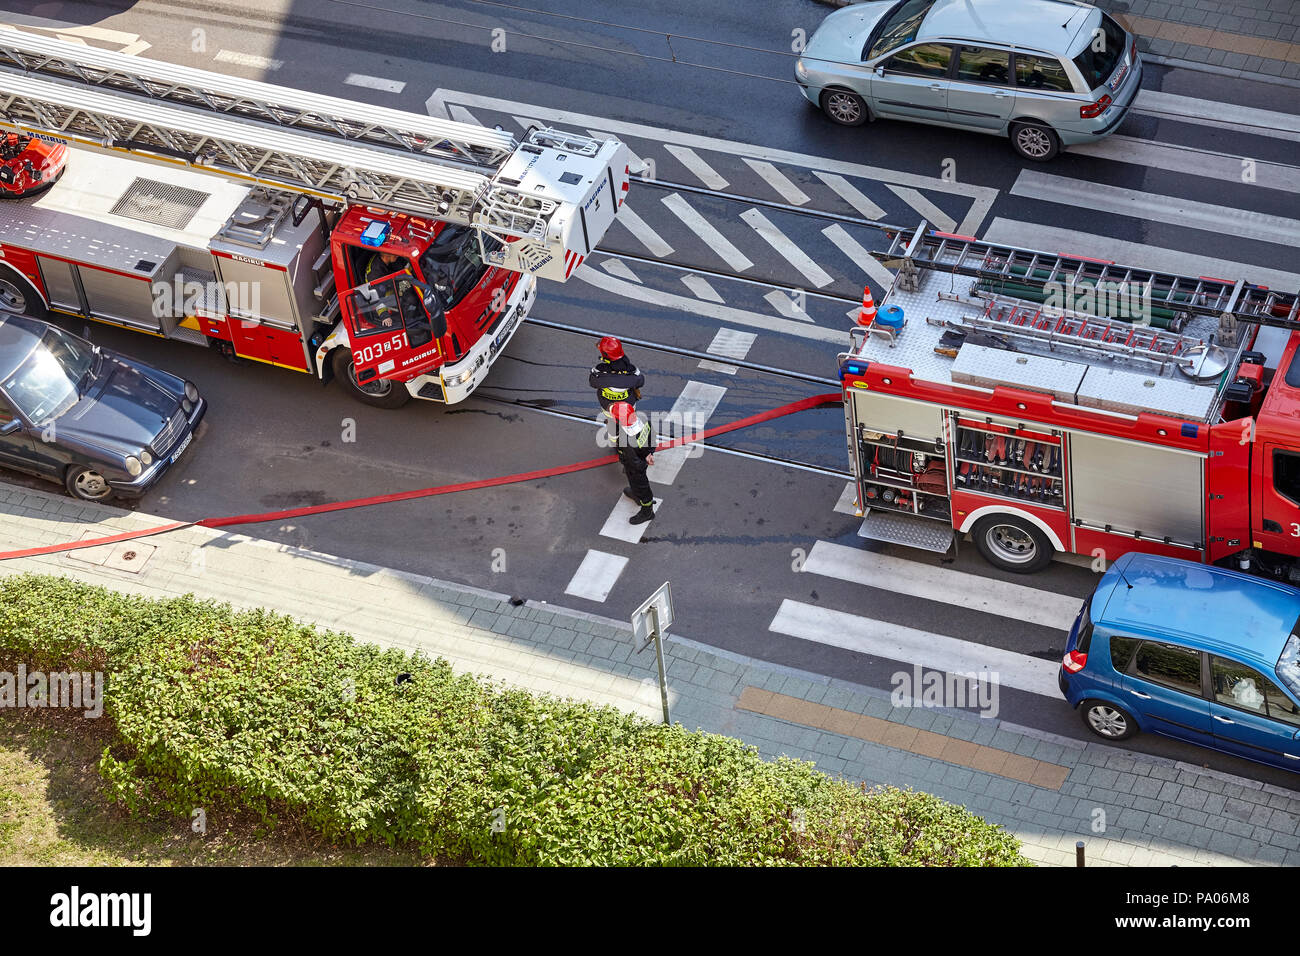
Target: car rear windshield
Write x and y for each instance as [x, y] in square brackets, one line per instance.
[897, 27]
[1097, 60]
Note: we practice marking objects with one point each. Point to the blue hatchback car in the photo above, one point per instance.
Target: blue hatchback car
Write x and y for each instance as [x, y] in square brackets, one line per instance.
[1190, 651]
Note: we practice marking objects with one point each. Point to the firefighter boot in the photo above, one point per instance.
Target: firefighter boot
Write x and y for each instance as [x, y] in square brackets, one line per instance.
[646, 513]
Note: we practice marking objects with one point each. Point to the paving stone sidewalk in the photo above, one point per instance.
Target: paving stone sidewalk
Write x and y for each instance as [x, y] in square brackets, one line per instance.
[1130, 809]
[1254, 39]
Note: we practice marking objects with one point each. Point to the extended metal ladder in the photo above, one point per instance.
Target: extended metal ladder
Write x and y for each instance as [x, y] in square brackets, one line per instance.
[994, 263]
[321, 146]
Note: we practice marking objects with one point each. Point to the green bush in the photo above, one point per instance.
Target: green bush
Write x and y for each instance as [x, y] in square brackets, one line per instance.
[255, 712]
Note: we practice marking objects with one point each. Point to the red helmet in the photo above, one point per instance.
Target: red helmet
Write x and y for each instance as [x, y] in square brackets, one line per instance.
[623, 413]
[611, 348]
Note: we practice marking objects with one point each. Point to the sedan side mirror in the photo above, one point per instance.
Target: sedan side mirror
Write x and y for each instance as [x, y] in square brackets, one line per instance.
[880, 71]
[11, 426]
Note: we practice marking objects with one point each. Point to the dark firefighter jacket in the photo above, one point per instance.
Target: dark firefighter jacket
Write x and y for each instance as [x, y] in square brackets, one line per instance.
[616, 381]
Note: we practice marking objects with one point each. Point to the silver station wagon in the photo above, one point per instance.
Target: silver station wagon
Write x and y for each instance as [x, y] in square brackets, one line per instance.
[1046, 73]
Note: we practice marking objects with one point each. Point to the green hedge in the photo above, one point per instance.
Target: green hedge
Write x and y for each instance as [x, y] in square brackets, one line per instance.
[255, 712]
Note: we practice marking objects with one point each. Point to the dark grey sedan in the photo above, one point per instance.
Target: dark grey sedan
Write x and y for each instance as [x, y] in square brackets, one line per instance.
[96, 421]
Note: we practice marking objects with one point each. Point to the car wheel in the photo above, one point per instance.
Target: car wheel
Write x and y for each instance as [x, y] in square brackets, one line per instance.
[1035, 141]
[1108, 721]
[87, 484]
[17, 296]
[845, 107]
[1012, 544]
[382, 393]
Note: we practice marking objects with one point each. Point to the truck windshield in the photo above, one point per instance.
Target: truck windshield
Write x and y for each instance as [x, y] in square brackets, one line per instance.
[452, 262]
[53, 377]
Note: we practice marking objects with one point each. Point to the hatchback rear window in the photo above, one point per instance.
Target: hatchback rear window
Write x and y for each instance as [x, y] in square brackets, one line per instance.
[1097, 60]
[1042, 73]
[1288, 665]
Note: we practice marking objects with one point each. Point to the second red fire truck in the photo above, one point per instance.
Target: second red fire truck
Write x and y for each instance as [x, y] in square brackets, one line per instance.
[1003, 392]
[395, 252]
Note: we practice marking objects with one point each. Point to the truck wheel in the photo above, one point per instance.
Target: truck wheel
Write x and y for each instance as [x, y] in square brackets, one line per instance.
[86, 484]
[17, 296]
[382, 393]
[1012, 544]
[1108, 721]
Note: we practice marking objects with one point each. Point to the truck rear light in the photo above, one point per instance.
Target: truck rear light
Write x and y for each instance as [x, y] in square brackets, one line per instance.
[1093, 110]
[1074, 661]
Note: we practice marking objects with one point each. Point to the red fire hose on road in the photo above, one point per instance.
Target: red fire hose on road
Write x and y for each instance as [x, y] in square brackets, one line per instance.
[802, 405]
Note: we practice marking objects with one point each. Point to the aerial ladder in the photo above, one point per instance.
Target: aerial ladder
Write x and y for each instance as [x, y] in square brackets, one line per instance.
[548, 198]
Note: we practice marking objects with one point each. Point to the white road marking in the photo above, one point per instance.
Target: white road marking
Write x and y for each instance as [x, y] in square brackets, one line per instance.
[642, 231]
[728, 343]
[783, 245]
[1054, 239]
[778, 181]
[1186, 213]
[1193, 109]
[697, 166]
[701, 288]
[462, 115]
[251, 60]
[982, 197]
[847, 505]
[723, 313]
[1195, 162]
[375, 83]
[859, 256]
[707, 232]
[596, 576]
[917, 579]
[933, 214]
[617, 267]
[786, 306]
[692, 409]
[911, 646]
[636, 166]
[616, 525]
[851, 195]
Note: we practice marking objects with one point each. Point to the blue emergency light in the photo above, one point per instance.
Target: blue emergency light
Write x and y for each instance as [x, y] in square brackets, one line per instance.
[1189, 430]
[375, 233]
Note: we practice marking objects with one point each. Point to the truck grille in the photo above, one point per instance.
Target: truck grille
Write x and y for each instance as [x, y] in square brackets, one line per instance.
[170, 434]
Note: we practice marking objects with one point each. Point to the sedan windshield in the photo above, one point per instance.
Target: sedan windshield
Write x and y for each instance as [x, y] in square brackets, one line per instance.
[898, 27]
[53, 377]
[452, 263]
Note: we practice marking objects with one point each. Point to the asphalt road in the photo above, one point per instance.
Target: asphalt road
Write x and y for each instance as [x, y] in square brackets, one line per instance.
[733, 530]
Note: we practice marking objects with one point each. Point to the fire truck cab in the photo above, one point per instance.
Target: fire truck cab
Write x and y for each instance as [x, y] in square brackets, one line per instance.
[1047, 404]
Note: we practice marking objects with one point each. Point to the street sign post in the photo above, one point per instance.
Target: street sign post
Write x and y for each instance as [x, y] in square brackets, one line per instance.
[650, 622]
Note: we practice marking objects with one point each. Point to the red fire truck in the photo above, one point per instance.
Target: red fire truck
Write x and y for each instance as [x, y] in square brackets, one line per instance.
[1049, 403]
[396, 252]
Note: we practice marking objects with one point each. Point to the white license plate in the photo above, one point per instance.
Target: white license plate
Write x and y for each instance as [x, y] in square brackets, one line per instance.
[181, 450]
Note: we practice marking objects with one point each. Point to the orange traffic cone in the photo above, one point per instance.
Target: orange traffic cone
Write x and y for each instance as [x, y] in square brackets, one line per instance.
[868, 313]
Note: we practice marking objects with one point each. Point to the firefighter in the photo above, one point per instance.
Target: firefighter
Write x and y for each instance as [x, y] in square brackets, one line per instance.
[615, 378]
[382, 264]
[635, 452]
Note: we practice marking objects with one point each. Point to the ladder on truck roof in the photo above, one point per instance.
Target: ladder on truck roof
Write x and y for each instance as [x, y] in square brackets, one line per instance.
[1230, 301]
[532, 195]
